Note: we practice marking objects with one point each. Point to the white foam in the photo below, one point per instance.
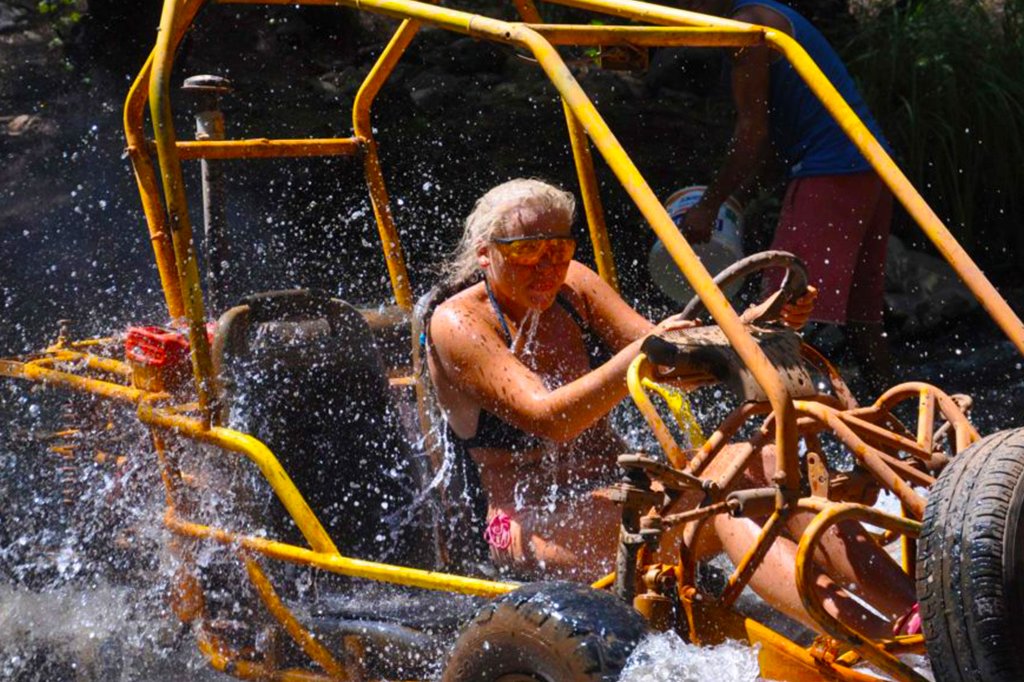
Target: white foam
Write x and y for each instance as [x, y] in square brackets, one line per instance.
[665, 657]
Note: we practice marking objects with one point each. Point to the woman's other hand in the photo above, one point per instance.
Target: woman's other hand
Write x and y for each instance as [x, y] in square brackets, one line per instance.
[674, 322]
[795, 314]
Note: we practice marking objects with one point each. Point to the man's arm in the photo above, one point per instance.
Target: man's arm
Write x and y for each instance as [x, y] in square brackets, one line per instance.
[749, 145]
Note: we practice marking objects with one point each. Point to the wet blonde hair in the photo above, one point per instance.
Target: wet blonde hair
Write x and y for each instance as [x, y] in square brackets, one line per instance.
[494, 213]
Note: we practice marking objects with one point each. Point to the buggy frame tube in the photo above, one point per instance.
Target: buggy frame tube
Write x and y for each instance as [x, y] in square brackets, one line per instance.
[301, 636]
[604, 257]
[336, 563]
[877, 462]
[828, 516]
[323, 554]
[145, 172]
[363, 129]
[177, 208]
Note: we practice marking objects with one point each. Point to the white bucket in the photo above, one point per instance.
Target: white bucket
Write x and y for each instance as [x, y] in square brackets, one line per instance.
[723, 249]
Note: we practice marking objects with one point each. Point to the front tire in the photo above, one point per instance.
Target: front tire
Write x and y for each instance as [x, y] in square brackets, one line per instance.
[547, 632]
[970, 580]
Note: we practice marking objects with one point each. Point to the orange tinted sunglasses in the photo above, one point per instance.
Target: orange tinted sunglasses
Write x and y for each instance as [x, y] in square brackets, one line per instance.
[530, 250]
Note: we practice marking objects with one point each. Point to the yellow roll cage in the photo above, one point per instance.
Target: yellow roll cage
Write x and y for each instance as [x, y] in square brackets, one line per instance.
[161, 187]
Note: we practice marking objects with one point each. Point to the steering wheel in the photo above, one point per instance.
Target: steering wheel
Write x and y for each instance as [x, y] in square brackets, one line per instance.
[794, 283]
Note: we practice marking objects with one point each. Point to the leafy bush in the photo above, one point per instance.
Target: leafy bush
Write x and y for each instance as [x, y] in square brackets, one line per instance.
[946, 80]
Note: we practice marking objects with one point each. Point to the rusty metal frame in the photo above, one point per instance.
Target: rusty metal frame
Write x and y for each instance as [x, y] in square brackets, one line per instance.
[828, 516]
[874, 447]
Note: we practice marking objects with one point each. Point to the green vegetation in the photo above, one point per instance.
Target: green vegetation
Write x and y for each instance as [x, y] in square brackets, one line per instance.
[946, 80]
[62, 15]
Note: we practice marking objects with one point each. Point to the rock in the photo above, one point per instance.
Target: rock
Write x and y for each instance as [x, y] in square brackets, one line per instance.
[468, 56]
[432, 89]
[608, 86]
[921, 291]
[12, 18]
[24, 124]
[342, 83]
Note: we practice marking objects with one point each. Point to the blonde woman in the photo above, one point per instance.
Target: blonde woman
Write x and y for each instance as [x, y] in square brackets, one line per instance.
[528, 354]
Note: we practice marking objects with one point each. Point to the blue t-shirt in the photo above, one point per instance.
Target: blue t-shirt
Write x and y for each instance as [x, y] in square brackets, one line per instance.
[803, 132]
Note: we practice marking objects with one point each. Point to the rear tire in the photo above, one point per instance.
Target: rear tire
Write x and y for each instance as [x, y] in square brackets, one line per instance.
[971, 564]
[547, 632]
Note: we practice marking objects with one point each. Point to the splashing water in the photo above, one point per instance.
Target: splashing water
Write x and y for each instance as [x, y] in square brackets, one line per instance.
[524, 344]
[665, 657]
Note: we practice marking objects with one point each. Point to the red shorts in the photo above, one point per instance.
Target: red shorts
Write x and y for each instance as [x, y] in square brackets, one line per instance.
[839, 226]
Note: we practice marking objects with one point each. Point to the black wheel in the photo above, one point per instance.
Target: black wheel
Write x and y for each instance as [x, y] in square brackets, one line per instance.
[970, 571]
[794, 283]
[547, 632]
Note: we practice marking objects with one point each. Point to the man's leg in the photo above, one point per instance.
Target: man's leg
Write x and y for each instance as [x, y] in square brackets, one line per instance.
[823, 222]
[839, 226]
[864, 313]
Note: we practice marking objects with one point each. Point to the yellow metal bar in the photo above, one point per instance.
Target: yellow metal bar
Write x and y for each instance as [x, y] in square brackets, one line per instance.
[805, 577]
[781, 659]
[260, 455]
[648, 36]
[750, 561]
[149, 192]
[872, 458]
[639, 369]
[223, 658]
[648, 13]
[145, 173]
[873, 432]
[357, 568]
[91, 361]
[262, 148]
[363, 128]
[177, 207]
[106, 389]
[965, 431]
[603, 255]
[303, 637]
[925, 418]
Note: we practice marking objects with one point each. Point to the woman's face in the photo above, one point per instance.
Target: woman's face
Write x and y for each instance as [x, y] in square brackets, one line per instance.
[529, 273]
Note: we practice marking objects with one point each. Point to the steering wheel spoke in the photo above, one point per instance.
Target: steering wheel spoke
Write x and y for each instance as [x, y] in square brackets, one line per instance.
[793, 286]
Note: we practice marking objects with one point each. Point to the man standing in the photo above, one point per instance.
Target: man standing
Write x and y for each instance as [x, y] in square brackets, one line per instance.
[837, 211]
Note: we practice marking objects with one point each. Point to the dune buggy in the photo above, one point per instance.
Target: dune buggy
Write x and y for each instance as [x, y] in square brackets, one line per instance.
[317, 387]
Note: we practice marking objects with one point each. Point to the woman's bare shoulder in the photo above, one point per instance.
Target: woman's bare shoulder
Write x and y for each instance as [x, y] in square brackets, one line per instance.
[456, 312]
[460, 325]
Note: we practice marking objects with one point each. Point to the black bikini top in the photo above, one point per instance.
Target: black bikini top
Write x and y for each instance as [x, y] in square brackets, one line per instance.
[494, 432]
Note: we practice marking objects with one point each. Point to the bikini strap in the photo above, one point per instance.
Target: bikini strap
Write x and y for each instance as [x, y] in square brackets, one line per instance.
[497, 311]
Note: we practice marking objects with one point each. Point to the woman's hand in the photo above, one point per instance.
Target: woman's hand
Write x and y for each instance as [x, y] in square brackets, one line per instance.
[674, 322]
[795, 314]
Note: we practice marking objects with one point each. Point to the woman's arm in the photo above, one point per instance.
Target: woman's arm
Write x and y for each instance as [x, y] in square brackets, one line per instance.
[476, 360]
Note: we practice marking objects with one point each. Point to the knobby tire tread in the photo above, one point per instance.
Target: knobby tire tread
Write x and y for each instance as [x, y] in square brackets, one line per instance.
[581, 628]
[960, 582]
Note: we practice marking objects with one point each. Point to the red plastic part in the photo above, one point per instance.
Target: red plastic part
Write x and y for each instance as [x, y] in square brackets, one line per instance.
[156, 346]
